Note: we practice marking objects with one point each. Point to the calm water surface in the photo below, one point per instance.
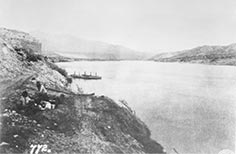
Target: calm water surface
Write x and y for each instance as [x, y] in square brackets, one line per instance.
[189, 107]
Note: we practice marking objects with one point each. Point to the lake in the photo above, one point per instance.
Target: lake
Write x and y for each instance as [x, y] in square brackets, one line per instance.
[189, 107]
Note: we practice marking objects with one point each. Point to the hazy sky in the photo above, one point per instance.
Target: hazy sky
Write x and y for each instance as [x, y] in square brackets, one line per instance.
[147, 25]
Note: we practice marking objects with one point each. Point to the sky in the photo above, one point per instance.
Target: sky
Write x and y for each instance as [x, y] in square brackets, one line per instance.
[144, 25]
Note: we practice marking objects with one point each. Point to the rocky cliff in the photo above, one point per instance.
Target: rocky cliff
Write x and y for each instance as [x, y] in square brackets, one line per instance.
[20, 40]
[79, 124]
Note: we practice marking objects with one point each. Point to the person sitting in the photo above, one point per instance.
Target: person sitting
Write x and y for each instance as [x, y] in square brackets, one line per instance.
[25, 99]
[39, 86]
[26, 105]
[46, 105]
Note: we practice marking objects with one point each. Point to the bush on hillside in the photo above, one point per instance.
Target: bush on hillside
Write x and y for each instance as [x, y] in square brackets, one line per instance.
[58, 69]
[33, 57]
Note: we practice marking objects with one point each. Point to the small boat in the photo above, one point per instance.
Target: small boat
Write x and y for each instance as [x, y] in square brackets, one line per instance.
[86, 77]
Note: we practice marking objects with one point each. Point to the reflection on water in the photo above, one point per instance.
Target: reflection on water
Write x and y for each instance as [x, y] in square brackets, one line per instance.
[188, 107]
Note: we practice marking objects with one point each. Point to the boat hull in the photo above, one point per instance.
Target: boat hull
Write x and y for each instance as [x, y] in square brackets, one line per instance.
[87, 77]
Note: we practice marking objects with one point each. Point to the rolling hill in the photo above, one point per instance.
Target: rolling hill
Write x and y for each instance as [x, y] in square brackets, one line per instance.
[74, 47]
[218, 55]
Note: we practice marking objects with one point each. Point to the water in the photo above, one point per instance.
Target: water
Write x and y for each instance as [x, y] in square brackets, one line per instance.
[189, 107]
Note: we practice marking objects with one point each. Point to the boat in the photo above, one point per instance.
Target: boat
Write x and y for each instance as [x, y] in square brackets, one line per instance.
[86, 76]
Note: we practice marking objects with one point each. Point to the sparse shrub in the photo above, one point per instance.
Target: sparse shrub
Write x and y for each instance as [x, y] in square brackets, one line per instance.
[69, 80]
[58, 69]
[33, 57]
[30, 55]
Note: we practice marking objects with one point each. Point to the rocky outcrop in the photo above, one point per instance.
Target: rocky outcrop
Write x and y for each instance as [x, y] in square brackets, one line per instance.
[78, 124]
[20, 40]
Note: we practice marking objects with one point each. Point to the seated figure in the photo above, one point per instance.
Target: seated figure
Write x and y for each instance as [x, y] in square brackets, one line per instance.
[46, 105]
[25, 99]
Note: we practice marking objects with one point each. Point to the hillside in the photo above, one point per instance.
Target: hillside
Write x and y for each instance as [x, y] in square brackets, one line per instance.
[217, 55]
[79, 124]
[20, 40]
[71, 46]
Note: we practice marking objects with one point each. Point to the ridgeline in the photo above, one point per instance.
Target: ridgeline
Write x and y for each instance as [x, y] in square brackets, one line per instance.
[214, 55]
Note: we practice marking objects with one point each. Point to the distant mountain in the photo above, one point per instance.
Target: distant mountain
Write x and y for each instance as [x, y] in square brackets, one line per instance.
[71, 46]
[221, 55]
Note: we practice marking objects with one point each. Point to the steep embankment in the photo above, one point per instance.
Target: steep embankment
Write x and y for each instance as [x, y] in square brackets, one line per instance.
[79, 124]
[218, 55]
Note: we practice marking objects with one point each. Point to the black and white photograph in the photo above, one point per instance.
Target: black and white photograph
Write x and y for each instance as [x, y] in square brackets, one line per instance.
[117, 76]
